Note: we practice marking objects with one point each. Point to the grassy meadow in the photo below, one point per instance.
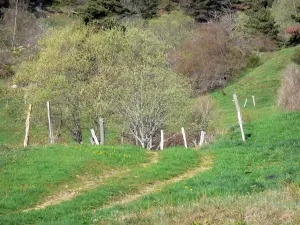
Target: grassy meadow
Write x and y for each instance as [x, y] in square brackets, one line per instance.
[256, 182]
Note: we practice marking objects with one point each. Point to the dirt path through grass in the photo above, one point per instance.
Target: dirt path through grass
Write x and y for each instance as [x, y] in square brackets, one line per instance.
[86, 183]
[206, 163]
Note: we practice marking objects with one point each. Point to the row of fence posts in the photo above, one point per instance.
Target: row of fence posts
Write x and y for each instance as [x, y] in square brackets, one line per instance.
[100, 141]
[253, 100]
[201, 142]
[94, 138]
[239, 113]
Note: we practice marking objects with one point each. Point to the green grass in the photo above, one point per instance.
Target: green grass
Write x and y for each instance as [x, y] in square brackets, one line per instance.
[172, 162]
[31, 174]
[269, 160]
[263, 83]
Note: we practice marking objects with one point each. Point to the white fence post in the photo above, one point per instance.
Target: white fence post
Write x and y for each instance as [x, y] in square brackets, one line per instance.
[26, 140]
[245, 102]
[50, 124]
[122, 136]
[202, 135]
[101, 123]
[253, 99]
[25, 98]
[161, 140]
[239, 114]
[94, 136]
[184, 137]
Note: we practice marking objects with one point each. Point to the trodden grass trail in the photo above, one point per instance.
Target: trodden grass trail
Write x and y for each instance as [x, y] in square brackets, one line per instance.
[86, 183]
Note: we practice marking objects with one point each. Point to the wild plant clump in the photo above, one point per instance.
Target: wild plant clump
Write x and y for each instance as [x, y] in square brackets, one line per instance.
[289, 95]
[210, 59]
[296, 57]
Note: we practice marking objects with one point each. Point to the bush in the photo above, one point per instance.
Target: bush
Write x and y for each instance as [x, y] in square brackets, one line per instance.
[294, 32]
[210, 59]
[201, 116]
[204, 116]
[289, 95]
[173, 28]
[296, 57]
[5, 71]
[263, 44]
[253, 61]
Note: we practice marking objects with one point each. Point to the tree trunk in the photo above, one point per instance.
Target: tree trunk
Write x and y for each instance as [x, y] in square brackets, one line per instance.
[77, 133]
[293, 1]
[15, 26]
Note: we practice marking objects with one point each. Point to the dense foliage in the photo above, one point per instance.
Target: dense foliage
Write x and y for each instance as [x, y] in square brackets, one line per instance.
[104, 12]
[261, 20]
[143, 45]
[106, 74]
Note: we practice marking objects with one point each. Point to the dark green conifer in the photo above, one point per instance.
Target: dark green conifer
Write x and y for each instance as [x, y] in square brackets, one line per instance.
[260, 18]
[104, 12]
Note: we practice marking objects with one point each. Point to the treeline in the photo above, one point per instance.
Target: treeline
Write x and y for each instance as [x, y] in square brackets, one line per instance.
[141, 65]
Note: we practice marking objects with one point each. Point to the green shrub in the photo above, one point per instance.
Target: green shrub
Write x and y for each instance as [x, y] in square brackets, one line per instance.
[5, 71]
[296, 57]
[253, 61]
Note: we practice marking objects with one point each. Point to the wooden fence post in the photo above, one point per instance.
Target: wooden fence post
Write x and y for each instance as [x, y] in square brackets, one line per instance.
[101, 123]
[25, 98]
[122, 135]
[161, 140]
[245, 102]
[94, 136]
[26, 140]
[239, 115]
[253, 99]
[202, 135]
[50, 124]
[184, 137]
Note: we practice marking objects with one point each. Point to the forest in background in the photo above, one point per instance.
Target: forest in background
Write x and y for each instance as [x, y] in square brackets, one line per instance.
[144, 66]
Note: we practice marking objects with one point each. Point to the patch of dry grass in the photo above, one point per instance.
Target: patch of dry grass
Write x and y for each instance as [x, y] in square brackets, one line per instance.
[289, 95]
[267, 208]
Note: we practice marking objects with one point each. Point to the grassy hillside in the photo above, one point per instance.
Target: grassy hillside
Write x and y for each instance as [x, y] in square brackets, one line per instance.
[228, 182]
[263, 83]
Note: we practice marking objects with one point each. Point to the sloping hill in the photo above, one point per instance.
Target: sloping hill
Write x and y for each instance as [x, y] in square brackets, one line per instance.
[245, 175]
[174, 189]
[262, 82]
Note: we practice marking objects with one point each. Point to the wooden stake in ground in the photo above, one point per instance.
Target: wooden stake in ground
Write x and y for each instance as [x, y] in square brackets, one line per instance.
[94, 136]
[202, 135]
[26, 140]
[184, 137]
[15, 26]
[50, 124]
[101, 123]
[253, 98]
[239, 114]
[25, 98]
[161, 140]
[122, 135]
[245, 102]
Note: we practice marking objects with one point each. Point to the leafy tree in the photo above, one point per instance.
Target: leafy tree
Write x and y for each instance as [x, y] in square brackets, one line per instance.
[294, 29]
[119, 75]
[210, 59]
[173, 28]
[146, 94]
[285, 12]
[58, 75]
